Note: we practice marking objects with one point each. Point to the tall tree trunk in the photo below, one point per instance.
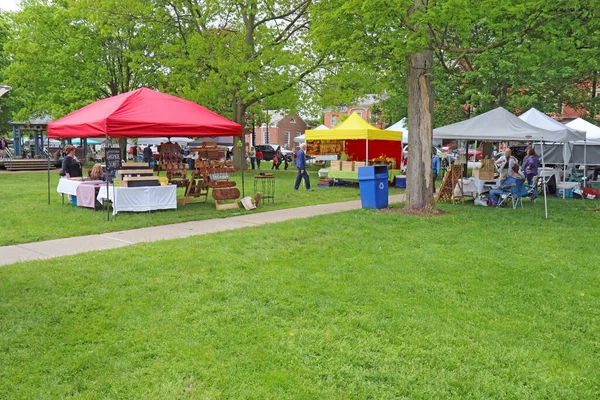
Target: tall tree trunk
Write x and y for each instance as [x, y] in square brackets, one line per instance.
[419, 178]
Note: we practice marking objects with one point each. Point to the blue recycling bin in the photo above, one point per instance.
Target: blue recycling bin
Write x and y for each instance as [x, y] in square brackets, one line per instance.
[373, 182]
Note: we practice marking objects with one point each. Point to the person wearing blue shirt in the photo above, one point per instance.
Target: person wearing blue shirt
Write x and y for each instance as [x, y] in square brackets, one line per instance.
[435, 166]
[514, 183]
[301, 165]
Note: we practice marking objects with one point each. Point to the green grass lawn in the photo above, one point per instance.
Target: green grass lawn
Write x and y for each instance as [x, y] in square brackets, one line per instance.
[475, 303]
[27, 217]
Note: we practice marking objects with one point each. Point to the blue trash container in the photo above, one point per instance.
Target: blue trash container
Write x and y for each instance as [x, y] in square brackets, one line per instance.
[373, 182]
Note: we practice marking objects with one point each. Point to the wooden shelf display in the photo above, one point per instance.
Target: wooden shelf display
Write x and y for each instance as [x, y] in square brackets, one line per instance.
[170, 160]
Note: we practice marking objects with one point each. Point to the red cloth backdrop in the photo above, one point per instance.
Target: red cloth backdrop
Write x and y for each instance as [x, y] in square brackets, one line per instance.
[143, 113]
[389, 148]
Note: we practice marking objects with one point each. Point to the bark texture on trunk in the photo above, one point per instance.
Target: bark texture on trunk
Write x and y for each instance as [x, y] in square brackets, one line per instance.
[419, 179]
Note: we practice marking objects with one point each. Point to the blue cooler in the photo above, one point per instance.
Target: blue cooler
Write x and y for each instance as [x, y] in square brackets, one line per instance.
[401, 181]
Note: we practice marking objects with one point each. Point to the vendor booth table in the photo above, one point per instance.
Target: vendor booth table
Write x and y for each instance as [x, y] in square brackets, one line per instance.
[352, 176]
[70, 186]
[87, 194]
[475, 187]
[139, 199]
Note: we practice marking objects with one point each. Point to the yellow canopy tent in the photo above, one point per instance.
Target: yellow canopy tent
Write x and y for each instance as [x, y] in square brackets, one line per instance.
[355, 127]
[354, 131]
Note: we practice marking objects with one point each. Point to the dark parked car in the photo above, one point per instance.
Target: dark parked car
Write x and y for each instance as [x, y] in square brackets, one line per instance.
[518, 151]
[269, 151]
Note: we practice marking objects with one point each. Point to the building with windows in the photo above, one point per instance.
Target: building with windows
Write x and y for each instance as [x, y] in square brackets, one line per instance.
[364, 108]
[281, 131]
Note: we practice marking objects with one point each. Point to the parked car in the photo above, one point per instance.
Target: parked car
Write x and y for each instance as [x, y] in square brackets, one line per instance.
[445, 158]
[269, 151]
[474, 155]
[518, 151]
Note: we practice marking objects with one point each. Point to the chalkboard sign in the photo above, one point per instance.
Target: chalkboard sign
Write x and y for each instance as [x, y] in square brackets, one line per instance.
[113, 159]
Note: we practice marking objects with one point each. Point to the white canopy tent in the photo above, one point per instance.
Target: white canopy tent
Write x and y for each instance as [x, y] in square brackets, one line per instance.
[155, 141]
[501, 125]
[302, 138]
[541, 120]
[592, 131]
[400, 126]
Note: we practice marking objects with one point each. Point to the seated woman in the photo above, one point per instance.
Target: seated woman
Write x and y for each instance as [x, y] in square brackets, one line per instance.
[515, 180]
[97, 174]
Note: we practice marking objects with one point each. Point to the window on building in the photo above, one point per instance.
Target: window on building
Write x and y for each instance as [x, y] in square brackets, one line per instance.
[286, 139]
[292, 121]
[360, 113]
[333, 120]
[265, 137]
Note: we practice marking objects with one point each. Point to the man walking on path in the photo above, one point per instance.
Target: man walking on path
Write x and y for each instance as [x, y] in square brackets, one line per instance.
[301, 165]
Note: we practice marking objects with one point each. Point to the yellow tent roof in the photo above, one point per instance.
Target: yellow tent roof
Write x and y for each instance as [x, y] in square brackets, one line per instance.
[353, 128]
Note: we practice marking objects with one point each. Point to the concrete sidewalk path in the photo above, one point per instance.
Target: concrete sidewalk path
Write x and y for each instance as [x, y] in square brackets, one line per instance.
[81, 244]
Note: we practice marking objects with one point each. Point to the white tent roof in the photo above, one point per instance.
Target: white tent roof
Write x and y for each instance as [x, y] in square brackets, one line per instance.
[401, 127]
[541, 120]
[593, 131]
[499, 125]
[155, 141]
[302, 138]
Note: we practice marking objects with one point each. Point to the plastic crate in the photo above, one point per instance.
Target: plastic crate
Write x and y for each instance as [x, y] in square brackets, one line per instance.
[568, 192]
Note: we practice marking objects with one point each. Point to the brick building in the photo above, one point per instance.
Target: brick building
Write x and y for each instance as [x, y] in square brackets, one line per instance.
[281, 131]
[333, 116]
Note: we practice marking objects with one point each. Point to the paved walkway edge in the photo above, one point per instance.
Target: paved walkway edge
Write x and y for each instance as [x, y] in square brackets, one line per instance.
[81, 244]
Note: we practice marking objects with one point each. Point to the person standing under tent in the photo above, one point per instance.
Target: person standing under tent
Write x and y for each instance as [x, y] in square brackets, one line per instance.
[71, 165]
[506, 162]
[148, 157]
[301, 165]
[531, 164]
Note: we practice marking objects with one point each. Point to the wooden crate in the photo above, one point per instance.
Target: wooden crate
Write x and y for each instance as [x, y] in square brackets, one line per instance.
[335, 165]
[347, 165]
[484, 175]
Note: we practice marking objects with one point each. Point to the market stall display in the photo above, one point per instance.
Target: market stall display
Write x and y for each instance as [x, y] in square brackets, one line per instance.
[224, 191]
[361, 142]
[143, 113]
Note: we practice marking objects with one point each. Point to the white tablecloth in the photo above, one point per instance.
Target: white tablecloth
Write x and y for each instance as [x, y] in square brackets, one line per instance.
[473, 187]
[138, 199]
[67, 186]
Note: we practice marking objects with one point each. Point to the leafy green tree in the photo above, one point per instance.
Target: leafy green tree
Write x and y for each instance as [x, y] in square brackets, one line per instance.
[483, 54]
[232, 55]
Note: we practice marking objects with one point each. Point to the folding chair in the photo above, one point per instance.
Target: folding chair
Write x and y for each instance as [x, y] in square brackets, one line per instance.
[518, 192]
[505, 196]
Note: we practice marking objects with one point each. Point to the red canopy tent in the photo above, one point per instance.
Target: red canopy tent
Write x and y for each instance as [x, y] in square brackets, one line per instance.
[143, 113]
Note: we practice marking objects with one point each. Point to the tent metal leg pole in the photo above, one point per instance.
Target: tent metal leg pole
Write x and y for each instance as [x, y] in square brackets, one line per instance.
[544, 184]
[48, 151]
[584, 167]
